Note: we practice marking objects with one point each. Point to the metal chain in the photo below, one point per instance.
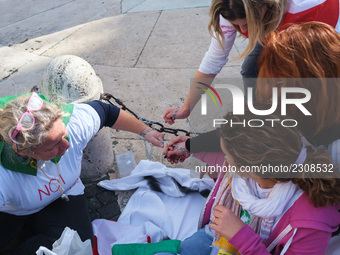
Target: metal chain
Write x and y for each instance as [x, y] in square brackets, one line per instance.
[193, 130]
[156, 125]
[147, 152]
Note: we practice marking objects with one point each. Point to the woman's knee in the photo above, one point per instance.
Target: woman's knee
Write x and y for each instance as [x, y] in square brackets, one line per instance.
[249, 68]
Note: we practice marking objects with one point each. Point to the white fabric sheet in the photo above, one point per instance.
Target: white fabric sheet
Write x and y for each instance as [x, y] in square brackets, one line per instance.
[160, 216]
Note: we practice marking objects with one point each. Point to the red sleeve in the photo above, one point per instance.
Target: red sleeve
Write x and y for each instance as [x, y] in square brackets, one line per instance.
[326, 12]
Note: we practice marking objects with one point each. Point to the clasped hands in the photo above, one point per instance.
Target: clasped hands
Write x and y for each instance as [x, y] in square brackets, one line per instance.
[175, 150]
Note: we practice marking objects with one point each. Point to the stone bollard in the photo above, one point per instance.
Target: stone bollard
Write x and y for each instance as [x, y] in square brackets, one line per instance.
[71, 79]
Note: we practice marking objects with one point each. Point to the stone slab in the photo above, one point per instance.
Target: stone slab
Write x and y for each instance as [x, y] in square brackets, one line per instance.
[179, 40]
[152, 5]
[119, 42]
[149, 91]
[40, 44]
[19, 71]
[128, 5]
[11, 60]
[47, 21]
[25, 9]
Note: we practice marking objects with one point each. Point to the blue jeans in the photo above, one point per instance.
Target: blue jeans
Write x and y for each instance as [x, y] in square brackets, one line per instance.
[249, 69]
[197, 244]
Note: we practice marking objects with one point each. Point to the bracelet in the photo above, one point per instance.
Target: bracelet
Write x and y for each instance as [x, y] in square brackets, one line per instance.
[181, 148]
[146, 132]
[176, 146]
[174, 114]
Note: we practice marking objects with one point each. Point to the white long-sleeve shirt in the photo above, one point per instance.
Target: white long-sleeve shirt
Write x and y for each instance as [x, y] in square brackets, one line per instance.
[326, 11]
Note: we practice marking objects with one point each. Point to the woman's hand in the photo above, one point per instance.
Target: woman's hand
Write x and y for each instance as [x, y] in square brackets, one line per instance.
[181, 113]
[225, 222]
[155, 138]
[173, 153]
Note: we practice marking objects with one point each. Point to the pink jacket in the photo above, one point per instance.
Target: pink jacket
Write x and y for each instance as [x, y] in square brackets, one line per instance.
[309, 231]
[311, 227]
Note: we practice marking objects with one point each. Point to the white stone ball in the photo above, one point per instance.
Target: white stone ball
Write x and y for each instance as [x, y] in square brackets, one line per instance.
[69, 79]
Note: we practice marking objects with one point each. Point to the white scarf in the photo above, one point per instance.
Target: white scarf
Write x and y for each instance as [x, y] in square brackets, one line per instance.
[271, 206]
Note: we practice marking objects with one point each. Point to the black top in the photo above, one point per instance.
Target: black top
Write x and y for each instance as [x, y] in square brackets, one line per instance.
[209, 142]
[326, 137]
[108, 113]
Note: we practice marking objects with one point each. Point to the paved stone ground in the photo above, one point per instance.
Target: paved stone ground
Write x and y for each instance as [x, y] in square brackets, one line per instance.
[144, 51]
[103, 204]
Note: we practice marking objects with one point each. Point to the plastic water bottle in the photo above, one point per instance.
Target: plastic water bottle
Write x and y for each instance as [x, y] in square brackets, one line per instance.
[126, 163]
[223, 247]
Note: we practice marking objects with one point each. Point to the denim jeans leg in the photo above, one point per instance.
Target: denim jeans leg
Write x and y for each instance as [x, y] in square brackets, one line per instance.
[198, 244]
[249, 69]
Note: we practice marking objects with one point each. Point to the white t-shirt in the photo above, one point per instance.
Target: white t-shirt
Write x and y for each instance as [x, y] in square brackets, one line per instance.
[23, 194]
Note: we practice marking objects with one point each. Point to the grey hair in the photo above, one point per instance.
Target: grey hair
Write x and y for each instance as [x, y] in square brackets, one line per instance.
[27, 140]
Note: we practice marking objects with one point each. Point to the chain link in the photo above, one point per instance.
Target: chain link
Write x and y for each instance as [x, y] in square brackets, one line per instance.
[156, 125]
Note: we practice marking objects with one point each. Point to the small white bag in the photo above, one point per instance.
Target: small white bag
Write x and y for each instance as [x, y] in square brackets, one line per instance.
[68, 244]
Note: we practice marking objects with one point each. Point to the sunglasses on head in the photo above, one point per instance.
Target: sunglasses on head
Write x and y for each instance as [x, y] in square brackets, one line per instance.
[27, 120]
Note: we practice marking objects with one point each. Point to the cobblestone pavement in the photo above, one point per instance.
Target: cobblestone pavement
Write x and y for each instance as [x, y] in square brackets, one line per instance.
[103, 204]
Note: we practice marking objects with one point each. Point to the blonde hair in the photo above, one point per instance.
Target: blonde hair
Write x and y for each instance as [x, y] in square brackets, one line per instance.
[27, 140]
[280, 146]
[258, 27]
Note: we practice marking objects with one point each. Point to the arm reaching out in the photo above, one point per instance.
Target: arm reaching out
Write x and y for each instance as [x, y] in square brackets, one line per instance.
[193, 97]
[129, 123]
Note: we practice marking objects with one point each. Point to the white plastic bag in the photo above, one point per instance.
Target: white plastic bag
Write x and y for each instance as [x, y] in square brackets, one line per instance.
[68, 244]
